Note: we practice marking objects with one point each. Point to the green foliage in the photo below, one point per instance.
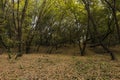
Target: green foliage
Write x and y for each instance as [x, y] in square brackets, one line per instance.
[53, 20]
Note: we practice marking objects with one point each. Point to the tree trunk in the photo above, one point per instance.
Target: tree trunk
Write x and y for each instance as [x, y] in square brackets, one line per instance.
[96, 31]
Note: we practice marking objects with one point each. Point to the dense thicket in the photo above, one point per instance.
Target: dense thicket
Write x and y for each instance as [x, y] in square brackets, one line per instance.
[34, 23]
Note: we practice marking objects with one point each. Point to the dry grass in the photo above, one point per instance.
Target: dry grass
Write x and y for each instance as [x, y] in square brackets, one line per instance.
[60, 67]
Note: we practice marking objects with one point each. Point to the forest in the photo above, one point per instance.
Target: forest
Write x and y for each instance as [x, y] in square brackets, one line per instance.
[76, 31]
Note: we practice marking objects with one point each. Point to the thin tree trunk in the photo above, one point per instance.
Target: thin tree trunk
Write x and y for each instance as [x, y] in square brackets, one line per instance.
[20, 25]
[116, 20]
[114, 9]
[96, 31]
[28, 44]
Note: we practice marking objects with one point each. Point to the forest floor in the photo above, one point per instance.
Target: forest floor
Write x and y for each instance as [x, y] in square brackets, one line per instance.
[59, 67]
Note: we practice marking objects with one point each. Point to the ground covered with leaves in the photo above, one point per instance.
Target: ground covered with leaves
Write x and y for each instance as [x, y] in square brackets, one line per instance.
[59, 67]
